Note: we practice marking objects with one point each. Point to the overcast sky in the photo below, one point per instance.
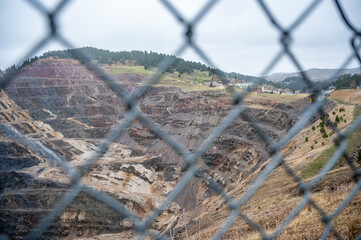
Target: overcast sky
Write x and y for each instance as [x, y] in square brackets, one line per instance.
[236, 35]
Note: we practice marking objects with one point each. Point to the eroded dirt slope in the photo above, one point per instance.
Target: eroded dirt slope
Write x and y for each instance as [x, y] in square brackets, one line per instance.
[68, 109]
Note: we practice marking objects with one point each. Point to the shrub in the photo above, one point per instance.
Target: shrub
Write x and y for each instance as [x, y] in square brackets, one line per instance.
[313, 128]
[306, 139]
[333, 113]
[323, 143]
[312, 147]
[325, 135]
[337, 119]
[344, 121]
[322, 130]
[359, 156]
[315, 142]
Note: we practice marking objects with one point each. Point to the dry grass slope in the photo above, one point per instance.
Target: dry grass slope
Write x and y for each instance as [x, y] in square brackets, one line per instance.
[279, 195]
[349, 96]
[185, 81]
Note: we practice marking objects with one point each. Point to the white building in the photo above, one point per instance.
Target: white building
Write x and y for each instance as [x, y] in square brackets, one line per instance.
[244, 85]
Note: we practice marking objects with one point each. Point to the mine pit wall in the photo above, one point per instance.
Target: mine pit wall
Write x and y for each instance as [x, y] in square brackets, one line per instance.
[26, 196]
[87, 109]
[27, 192]
[76, 110]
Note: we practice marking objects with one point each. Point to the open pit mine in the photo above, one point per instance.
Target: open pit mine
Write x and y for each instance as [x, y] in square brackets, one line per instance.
[69, 109]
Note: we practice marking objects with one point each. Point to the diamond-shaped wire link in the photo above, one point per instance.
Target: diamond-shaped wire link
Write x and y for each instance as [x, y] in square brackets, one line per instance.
[142, 226]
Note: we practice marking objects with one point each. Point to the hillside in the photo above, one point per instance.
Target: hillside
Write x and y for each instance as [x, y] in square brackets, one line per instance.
[279, 195]
[181, 72]
[67, 108]
[314, 74]
[145, 62]
[133, 58]
[58, 102]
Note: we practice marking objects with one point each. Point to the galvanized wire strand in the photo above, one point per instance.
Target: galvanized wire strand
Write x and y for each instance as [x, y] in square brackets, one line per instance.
[259, 131]
[55, 212]
[327, 231]
[203, 56]
[347, 200]
[304, 119]
[215, 186]
[226, 225]
[330, 163]
[60, 7]
[166, 137]
[227, 121]
[270, 16]
[304, 14]
[204, 11]
[173, 11]
[170, 197]
[352, 165]
[250, 192]
[273, 62]
[162, 67]
[38, 6]
[5, 80]
[252, 223]
[111, 137]
[323, 213]
[157, 235]
[111, 202]
[291, 216]
[36, 146]
[97, 71]
[345, 18]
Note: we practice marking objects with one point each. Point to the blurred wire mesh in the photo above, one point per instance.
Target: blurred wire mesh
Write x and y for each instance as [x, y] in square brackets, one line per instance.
[142, 226]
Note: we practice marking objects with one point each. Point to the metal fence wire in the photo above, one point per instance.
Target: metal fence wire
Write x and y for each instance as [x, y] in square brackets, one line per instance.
[142, 226]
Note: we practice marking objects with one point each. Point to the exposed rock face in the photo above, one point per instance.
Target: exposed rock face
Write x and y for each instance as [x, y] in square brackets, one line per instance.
[61, 104]
[28, 190]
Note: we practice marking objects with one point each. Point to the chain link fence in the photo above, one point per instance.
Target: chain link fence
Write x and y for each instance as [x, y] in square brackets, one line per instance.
[142, 226]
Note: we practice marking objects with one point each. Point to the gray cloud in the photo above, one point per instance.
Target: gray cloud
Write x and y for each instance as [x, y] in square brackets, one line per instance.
[236, 35]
